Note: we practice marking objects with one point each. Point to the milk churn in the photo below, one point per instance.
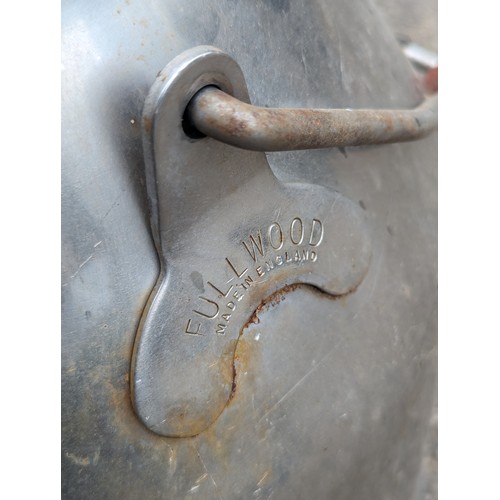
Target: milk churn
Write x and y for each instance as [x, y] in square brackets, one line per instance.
[249, 286]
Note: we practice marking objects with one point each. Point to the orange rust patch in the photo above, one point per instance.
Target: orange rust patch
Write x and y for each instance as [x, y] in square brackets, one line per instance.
[236, 369]
[181, 419]
[148, 124]
[271, 301]
[431, 80]
[246, 357]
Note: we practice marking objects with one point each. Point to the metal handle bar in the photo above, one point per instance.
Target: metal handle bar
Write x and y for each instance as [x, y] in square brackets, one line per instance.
[222, 117]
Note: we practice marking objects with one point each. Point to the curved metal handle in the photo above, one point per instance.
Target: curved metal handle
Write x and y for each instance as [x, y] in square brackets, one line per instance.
[222, 117]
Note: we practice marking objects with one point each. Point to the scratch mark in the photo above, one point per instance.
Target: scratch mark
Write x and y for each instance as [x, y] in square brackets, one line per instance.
[111, 207]
[172, 460]
[97, 244]
[301, 380]
[375, 277]
[81, 265]
[206, 471]
[123, 191]
[79, 269]
[201, 478]
[262, 478]
[304, 63]
[341, 63]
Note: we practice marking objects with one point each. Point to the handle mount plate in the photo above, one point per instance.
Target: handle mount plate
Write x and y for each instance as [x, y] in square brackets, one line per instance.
[229, 234]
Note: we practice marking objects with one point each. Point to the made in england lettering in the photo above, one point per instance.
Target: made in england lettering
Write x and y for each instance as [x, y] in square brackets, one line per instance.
[274, 247]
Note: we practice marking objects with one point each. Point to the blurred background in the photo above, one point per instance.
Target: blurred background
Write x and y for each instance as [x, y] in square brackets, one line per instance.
[417, 21]
[413, 19]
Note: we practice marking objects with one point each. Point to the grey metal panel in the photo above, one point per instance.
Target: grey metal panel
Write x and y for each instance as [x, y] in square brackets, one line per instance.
[337, 396]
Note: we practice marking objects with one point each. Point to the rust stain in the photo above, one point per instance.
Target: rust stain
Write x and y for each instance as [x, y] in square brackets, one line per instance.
[107, 392]
[181, 419]
[247, 351]
[241, 358]
[148, 124]
[115, 387]
[431, 80]
[221, 439]
[219, 115]
[237, 368]
[271, 301]
[227, 369]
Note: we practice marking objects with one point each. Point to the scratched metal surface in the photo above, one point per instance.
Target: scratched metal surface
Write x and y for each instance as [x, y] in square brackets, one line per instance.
[333, 397]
